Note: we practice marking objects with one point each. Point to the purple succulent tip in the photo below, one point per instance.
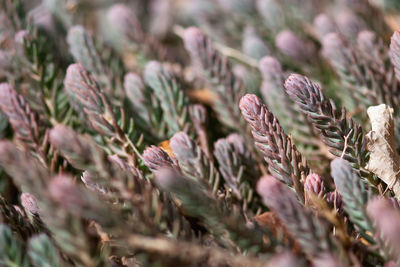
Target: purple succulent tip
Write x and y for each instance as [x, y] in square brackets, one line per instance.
[284, 41]
[367, 42]
[62, 188]
[250, 103]
[60, 134]
[332, 39]
[120, 16]
[366, 37]
[133, 78]
[297, 84]
[74, 74]
[350, 24]
[155, 158]
[192, 38]
[324, 25]
[332, 43]
[180, 141]
[235, 138]
[275, 194]
[314, 185]
[291, 45]
[268, 186]
[395, 52]
[29, 202]
[269, 66]
[295, 78]
[118, 11]
[152, 68]
[73, 68]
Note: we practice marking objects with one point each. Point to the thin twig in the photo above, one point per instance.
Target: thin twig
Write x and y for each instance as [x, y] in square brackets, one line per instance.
[345, 143]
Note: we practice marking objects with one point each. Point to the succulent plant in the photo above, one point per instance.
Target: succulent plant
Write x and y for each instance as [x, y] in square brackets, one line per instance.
[199, 133]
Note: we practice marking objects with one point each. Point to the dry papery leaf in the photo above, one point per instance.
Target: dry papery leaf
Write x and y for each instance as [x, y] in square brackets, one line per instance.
[381, 143]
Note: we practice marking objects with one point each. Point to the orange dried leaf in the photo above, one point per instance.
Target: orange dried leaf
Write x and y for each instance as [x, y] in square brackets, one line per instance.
[164, 145]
